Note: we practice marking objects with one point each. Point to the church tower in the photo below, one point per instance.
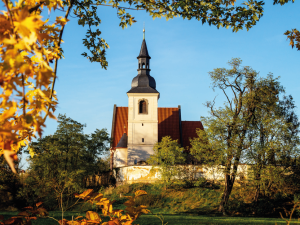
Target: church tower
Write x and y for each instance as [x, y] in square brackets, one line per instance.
[142, 111]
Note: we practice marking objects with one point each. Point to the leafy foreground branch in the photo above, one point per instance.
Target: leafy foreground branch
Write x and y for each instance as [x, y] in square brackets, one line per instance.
[116, 217]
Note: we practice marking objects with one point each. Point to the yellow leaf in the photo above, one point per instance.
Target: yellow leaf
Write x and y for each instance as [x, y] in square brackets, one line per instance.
[25, 23]
[9, 113]
[85, 193]
[140, 193]
[98, 197]
[92, 216]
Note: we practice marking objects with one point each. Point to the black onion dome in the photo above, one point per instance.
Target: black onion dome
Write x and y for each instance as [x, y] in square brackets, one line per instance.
[143, 83]
[143, 80]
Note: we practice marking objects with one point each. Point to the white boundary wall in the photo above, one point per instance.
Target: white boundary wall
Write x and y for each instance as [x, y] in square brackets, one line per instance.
[143, 174]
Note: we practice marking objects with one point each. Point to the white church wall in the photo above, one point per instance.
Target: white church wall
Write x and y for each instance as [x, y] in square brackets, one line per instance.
[120, 157]
[138, 153]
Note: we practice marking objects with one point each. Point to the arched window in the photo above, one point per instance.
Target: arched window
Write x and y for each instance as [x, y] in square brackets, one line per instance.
[143, 66]
[147, 66]
[143, 109]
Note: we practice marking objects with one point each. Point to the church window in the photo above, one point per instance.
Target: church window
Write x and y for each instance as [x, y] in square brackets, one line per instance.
[143, 65]
[143, 107]
[142, 124]
[139, 66]
[142, 139]
[147, 66]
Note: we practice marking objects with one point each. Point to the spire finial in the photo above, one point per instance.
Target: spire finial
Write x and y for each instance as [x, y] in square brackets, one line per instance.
[144, 32]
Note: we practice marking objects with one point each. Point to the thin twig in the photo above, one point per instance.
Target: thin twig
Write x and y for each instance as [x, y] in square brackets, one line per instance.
[10, 16]
[118, 7]
[56, 60]
[73, 204]
[52, 218]
[24, 110]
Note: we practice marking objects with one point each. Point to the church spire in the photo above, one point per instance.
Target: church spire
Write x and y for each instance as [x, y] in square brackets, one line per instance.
[143, 82]
[144, 51]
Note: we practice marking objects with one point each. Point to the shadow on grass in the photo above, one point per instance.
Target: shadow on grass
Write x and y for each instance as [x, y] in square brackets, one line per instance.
[191, 220]
[171, 219]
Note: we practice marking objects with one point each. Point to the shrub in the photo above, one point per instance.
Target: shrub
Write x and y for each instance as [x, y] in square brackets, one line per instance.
[200, 182]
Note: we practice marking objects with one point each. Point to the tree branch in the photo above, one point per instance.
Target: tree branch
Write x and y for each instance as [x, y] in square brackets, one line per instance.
[118, 7]
[56, 60]
[36, 7]
[227, 99]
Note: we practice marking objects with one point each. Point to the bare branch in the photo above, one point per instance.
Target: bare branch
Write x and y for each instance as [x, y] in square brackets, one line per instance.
[227, 99]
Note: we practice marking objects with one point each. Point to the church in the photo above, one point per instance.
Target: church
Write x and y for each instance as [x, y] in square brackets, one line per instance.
[138, 127]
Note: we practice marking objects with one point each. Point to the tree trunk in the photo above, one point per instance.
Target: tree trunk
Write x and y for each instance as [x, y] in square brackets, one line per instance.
[227, 191]
[257, 193]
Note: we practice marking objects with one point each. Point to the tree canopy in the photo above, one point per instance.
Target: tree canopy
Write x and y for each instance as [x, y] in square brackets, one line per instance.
[62, 161]
[252, 123]
[167, 155]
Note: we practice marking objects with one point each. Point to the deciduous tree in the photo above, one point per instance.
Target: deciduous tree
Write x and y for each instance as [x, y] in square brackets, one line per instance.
[223, 140]
[273, 145]
[168, 154]
[62, 161]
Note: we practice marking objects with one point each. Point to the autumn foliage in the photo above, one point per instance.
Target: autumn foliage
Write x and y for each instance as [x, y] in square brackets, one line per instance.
[28, 45]
[116, 217]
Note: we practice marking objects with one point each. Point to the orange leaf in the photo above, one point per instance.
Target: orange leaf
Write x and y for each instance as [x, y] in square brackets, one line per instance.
[93, 221]
[85, 193]
[38, 204]
[24, 213]
[8, 155]
[114, 222]
[9, 221]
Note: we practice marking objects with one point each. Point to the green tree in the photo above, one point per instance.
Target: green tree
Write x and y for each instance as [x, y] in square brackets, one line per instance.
[223, 140]
[168, 154]
[63, 161]
[273, 145]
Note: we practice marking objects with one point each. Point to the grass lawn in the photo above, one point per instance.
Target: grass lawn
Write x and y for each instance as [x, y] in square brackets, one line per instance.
[168, 218]
[181, 205]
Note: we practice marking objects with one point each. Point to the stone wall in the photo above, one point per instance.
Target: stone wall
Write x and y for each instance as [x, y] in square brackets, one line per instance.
[144, 174]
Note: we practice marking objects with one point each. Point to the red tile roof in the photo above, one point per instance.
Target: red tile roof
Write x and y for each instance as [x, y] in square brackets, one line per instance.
[168, 123]
[189, 131]
[121, 120]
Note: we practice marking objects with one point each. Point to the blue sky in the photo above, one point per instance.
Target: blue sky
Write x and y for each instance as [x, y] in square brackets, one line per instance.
[182, 53]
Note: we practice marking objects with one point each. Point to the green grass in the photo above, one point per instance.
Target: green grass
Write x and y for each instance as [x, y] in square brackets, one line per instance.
[182, 204]
[170, 219]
